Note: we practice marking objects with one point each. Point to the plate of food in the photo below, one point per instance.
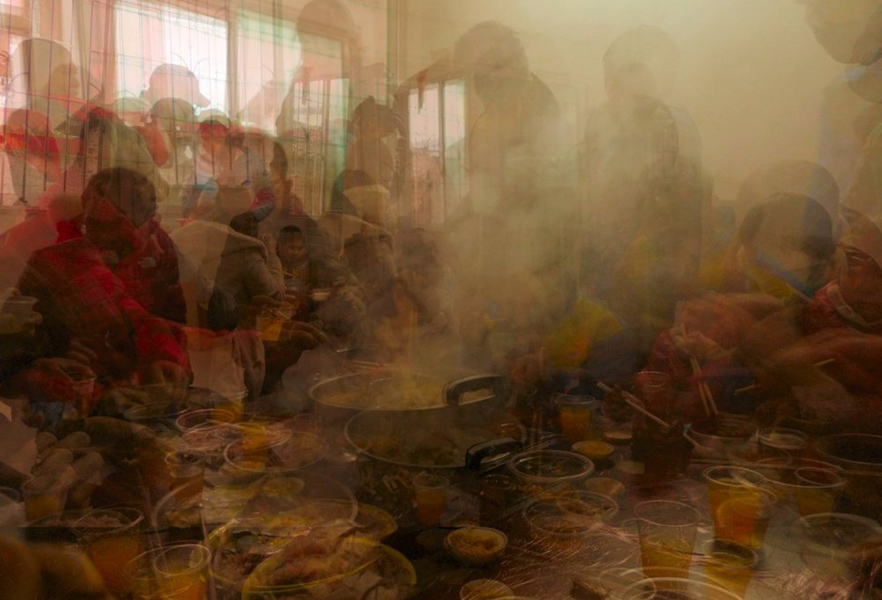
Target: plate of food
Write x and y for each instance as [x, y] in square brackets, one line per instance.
[331, 562]
[300, 451]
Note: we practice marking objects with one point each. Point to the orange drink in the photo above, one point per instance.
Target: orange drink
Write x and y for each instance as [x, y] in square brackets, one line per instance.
[818, 490]
[429, 495]
[738, 504]
[730, 565]
[178, 572]
[186, 470]
[112, 539]
[667, 534]
[574, 414]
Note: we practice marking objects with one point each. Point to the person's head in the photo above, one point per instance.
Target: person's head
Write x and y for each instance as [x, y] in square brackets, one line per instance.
[175, 117]
[787, 245]
[641, 62]
[496, 56]
[788, 176]
[371, 119]
[47, 68]
[214, 130]
[175, 81]
[860, 271]
[291, 245]
[116, 203]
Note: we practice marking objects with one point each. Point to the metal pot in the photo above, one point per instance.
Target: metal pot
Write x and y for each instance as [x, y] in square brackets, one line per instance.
[395, 445]
[340, 398]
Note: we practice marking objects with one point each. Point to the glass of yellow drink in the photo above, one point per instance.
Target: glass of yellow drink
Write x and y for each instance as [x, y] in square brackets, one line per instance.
[186, 470]
[739, 504]
[818, 489]
[574, 414]
[112, 538]
[730, 565]
[177, 572]
[667, 534]
[429, 495]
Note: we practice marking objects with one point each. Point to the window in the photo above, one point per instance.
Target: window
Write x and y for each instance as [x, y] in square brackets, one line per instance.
[437, 126]
[267, 57]
[149, 35]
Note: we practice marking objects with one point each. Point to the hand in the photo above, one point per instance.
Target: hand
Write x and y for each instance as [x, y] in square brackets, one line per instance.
[166, 371]
[80, 352]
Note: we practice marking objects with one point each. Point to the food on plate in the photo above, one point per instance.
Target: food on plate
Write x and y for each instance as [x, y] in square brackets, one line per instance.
[373, 522]
[485, 589]
[476, 545]
[605, 485]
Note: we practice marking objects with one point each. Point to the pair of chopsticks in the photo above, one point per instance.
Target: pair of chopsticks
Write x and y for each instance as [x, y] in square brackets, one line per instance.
[707, 398]
[634, 403]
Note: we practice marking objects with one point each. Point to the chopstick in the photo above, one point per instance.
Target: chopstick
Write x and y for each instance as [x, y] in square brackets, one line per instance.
[634, 403]
[707, 398]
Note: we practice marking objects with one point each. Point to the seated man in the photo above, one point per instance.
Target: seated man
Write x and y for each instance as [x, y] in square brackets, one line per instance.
[97, 290]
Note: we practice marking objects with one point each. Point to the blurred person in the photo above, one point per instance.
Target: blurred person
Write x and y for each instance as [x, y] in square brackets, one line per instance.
[215, 156]
[91, 288]
[50, 78]
[368, 152]
[646, 188]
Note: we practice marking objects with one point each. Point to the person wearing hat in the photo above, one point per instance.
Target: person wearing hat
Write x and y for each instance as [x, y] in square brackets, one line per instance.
[174, 81]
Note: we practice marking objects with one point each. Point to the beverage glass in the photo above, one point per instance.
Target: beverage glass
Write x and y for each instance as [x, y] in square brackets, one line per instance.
[818, 489]
[667, 534]
[739, 504]
[654, 389]
[186, 470]
[178, 572]
[232, 403]
[672, 588]
[730, 565]
[42, 500]
[773, 440]
[574, 414]
[112, 539]
[429, 492]
[495, 493]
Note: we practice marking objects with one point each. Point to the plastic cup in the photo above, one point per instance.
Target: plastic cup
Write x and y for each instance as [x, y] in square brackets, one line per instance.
[42, 501]
[817, 490]
[233, 403]
[739, 504]
[429, 495]
[178, 572]
[575, 416]
[673, 588]
[19, 306]
[112, 539]
[667, 534]
[186, 470]
[730, 565]
[485, 589]
[496, 490]
[792, 441]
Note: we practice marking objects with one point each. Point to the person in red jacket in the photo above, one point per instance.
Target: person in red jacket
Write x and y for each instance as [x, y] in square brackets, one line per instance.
[110, 289]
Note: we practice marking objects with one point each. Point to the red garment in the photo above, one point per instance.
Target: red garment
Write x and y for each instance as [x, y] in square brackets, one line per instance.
[150, 274]
[822, 312]
[80, 295]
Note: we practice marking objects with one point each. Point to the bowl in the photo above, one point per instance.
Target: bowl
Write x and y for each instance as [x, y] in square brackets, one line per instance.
[721, 435]
[485, 589]
[588, 507]
[828, 540]
[673, 588]
[475, 546]
[546, 469]
[594, 450]
[550, 523]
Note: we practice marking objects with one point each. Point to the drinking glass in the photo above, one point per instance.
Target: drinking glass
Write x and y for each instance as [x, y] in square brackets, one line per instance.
[667, 534]
[429, 491]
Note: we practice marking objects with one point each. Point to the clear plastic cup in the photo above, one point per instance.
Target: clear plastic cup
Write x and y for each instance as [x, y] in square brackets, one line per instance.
[429, 495]
[177, 572]
[667, 535]
[112, 538]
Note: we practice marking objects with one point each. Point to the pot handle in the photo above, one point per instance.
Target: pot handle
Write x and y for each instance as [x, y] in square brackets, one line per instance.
[477, 453]
[497, 385]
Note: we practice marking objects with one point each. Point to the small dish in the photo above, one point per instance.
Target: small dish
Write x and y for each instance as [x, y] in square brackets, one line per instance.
[475, 546]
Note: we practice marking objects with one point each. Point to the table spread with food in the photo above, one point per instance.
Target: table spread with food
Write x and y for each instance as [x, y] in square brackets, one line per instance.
[386, 485]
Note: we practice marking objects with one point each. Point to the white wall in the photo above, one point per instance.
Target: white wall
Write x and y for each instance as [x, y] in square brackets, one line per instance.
[751, 72]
